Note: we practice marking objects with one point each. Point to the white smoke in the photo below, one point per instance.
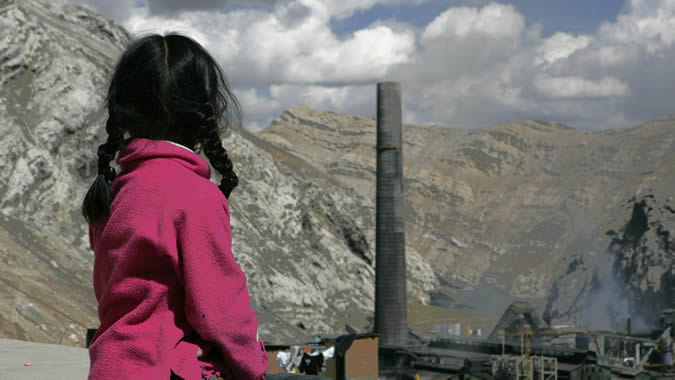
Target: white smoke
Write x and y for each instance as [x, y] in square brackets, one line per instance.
[608, 305]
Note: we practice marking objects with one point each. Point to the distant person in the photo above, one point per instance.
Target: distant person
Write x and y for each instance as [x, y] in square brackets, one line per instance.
[172, 301]
[669, 347]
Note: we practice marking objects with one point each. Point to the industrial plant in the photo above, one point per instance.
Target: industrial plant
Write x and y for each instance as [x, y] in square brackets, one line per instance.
[520, 346]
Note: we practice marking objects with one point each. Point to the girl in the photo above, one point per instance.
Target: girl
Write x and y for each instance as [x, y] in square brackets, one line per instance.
[172, 301]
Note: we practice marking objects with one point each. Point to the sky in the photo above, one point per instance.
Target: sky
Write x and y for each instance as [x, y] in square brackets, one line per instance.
[592, 65]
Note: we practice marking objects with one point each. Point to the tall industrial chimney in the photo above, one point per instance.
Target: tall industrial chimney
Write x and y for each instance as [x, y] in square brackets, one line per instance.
[391, 314]
[628, 329]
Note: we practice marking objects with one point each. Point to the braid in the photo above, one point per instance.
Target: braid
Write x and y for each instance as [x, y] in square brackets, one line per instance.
[97, 202]
[107, 151]
[216, 153]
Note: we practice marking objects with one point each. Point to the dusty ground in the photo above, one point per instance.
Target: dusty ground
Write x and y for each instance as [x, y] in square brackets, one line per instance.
[47, 361]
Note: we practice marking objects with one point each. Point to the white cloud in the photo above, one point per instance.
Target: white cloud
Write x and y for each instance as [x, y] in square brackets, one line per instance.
[258, 47]
[257, 104]
[643, 22]
[115, 10]
[559, 46]
[470, 66]
[141, 22]
[575, 87]
[481, 66]
[637, 50]
[120, 10]
[344, 8]
[354, 99]
[463, 66]
[493, 20]
[169, 6]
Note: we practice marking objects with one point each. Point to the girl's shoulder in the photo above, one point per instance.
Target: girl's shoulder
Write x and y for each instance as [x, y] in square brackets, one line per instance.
[167, 187]
[205, 197]
[207, 210]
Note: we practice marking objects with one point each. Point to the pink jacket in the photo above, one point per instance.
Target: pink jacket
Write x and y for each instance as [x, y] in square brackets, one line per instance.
[165, 278]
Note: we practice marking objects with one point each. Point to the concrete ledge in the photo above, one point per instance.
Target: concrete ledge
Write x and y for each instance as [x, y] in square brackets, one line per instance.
[56, 362]
[48, 361]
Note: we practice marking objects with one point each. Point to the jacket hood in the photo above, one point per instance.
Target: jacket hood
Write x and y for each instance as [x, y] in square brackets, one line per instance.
[139, 150]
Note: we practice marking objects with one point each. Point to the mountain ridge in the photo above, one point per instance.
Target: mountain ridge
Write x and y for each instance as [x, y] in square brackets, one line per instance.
[505, 204]
[509, 206]
[304, 242]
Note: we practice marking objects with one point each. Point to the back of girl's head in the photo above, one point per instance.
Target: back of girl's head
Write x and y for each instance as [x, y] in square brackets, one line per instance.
[165, 88]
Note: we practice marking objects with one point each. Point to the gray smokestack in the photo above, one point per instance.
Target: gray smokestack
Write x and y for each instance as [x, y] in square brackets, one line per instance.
[628, 327]
[391, 314]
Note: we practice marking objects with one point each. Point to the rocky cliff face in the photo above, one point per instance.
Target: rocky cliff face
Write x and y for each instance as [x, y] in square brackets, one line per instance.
[523, 207]
[45, 286]
[54, 59]
[307, 242]
[513, 206]
[644, 256]
[634, 277]
[304, 239]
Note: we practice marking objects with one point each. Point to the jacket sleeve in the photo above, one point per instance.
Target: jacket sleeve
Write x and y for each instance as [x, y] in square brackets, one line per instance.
[217, 302]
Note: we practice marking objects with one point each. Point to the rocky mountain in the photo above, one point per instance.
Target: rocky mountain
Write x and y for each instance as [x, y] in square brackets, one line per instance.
[304, 239]
[634, 277]
[54, 59]
[644, 255]
[519, 210]
[513, 206]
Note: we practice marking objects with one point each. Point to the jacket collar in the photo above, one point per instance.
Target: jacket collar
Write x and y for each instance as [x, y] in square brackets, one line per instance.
[177, 144]
[140, 149]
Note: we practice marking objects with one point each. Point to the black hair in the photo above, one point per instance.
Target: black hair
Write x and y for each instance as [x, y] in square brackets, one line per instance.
[165, 88]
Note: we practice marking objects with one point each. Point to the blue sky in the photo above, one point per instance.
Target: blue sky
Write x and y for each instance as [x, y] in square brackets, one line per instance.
[569, 61]
[571, 16]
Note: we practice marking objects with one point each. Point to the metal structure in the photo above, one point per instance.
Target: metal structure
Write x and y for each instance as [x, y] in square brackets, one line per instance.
[512, 317]
[545, 368]
[522, 364]
[391, 318]
[525, 368]
[401, 353]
